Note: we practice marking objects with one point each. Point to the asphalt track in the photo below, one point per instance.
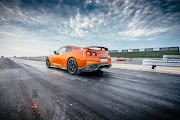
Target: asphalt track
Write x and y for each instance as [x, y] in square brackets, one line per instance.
[29, 90]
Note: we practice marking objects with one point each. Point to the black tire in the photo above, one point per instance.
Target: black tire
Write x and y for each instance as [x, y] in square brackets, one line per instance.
[48, 63]
[72, 66]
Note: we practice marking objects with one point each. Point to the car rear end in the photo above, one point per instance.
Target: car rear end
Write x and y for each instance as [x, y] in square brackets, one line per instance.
[96, 58]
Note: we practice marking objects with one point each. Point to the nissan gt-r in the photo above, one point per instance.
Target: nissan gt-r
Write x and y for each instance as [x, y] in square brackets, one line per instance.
[76, 60]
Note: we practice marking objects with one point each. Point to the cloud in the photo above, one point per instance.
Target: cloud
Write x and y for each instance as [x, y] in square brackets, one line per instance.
[87, 22]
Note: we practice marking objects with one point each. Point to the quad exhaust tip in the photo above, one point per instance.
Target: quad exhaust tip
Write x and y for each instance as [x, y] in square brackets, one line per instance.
[92, 68]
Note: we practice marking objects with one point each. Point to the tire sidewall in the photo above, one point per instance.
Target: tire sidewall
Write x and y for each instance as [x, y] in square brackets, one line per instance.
[48, 65]
[73, 73]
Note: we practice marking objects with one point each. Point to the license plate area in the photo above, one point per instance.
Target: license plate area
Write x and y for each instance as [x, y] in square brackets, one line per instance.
[103, 60]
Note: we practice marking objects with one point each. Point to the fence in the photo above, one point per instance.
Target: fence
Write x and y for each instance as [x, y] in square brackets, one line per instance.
[146, 49]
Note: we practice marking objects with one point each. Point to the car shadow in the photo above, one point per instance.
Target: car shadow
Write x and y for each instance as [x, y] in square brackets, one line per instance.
[95, 73]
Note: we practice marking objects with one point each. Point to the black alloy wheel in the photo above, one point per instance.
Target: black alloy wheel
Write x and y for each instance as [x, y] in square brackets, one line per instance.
[48, 63]
[72, 66]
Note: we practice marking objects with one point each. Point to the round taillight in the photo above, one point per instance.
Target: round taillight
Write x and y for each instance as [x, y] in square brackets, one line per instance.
[94, 53]
[89, 53]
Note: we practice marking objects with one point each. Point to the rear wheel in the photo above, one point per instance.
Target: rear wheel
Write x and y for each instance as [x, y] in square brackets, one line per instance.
[48, 63]
[72, 66]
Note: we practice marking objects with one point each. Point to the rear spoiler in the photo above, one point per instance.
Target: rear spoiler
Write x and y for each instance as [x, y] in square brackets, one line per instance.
[88, 48]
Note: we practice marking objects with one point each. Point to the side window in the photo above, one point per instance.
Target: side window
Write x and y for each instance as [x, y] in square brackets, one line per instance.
[58, 50]
[68, 49]
[62, 49]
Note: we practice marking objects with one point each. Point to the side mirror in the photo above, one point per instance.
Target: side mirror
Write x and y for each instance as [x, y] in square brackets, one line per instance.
[54, 52]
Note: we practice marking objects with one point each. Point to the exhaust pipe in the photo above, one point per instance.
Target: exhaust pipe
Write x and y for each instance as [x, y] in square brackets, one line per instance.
[90, 68]
[94, 67]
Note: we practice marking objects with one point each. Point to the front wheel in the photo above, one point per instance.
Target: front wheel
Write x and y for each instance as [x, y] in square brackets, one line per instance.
[72, 66]
[48, 63]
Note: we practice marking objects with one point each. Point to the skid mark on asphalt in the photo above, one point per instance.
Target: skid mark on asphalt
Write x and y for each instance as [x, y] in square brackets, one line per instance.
[17, 78]
[30, 102]
[81, 111]
[63, 78]
[27, 65]
[70, 109]
[159, 106]
[35, 94]
[136, 88]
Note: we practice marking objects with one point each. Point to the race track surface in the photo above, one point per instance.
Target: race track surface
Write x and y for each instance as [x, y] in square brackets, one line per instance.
[29, 90]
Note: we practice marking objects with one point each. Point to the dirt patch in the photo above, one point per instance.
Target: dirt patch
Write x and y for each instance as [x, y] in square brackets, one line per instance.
[8, 64]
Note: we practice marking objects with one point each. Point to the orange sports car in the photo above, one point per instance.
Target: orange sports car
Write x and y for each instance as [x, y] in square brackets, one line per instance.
[76, 60]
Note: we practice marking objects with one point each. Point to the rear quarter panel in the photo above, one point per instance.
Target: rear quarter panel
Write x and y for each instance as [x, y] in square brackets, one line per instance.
[77, 55]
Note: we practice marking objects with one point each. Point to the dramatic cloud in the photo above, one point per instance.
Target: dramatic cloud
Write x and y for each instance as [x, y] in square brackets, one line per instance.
[34, 27]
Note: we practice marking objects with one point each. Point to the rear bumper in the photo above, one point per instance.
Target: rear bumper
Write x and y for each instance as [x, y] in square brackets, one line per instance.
[94, 67]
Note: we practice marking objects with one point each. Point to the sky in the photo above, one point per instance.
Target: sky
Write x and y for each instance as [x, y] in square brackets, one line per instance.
[33, 27]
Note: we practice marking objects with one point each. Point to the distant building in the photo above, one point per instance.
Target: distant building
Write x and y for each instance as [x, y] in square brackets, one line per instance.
[124, 50]
[169, 49]
[113, 51]
[135, 50]
[149, 49]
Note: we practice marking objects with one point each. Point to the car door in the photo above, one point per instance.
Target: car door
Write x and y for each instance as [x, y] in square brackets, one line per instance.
[57, 58]
[65, 57]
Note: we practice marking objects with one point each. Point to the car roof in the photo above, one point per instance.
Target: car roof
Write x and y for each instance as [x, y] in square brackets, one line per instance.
[73, 47]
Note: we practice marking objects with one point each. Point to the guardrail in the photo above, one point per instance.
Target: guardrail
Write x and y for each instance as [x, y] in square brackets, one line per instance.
[164, 62]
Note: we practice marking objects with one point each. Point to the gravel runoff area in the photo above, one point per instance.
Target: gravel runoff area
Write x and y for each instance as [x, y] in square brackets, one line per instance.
[29, 90]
